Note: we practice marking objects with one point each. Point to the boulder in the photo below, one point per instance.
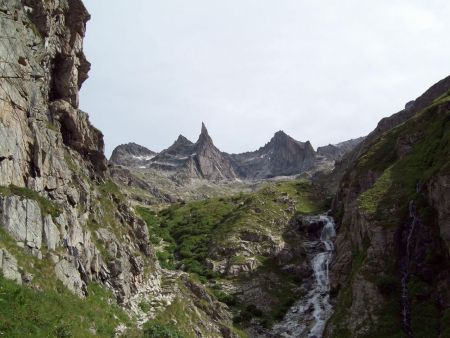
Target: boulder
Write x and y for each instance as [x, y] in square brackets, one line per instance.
[51, 233]
[22, 219]
[9, 266]
[68, 274]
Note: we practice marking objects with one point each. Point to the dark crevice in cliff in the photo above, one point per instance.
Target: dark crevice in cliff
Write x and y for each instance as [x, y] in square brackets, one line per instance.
[59, 67]
[4, 158]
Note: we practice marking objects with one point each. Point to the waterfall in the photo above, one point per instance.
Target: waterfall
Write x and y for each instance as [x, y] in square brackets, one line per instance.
[406, 310]
[308, 316]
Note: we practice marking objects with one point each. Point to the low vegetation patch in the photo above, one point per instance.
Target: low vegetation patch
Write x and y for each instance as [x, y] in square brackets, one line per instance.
[407, 156]
[185, 232]
[26, 312]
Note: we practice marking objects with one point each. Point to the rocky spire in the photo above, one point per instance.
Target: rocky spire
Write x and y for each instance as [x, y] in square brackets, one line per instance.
[204, 140]
[204, 130]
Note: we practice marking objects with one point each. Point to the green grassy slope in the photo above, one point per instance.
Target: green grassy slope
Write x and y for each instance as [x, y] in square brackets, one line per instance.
[188, 231]
[187, 235]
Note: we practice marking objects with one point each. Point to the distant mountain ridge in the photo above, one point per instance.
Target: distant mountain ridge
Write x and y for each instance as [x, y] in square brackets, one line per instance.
[187, 159]
[336, 152]
[281, 156]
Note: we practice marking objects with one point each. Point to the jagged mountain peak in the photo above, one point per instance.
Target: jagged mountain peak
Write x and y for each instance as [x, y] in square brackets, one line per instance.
[204, 140]
[182, 138]
[281, 156]
[181, 147]
[204, 129]
[131, 154]
[280, 134]
[281, 140]
[199, 160]
[180, 141]
[135, 149]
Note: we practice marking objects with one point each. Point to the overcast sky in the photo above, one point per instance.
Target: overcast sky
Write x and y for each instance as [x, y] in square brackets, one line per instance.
[323, 71]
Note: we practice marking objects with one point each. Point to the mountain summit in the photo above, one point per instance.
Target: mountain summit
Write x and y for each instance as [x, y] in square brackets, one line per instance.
[208, 161]
[131, 155]
[281, 156]
[204, 140]
[195, 160]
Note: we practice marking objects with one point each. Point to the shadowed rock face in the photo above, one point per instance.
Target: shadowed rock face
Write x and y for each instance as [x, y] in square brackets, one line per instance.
[394, 233]
[282, 156]
[131, 155]
[209, 161]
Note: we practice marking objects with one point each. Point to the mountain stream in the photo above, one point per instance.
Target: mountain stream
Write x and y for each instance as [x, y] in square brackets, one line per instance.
[308, 316]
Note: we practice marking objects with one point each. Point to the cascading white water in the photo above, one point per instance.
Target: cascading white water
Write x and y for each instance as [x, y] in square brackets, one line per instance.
[406, 311]
[308, 316]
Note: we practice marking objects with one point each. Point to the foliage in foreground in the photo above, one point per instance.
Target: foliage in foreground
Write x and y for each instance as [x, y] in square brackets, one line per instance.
[26, 312]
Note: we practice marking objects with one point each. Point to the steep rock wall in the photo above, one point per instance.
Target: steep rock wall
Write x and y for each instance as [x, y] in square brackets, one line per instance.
[392, 245]
[56, 201]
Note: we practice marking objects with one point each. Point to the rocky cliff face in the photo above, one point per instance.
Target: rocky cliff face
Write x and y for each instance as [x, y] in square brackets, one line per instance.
[282, 156]
[209, 161]
[63, 223]
[392, 245]
[55, 193]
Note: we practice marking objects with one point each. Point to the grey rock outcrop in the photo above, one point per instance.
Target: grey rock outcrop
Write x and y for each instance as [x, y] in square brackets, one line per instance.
[22, 219]
[9, 267]
[51, 234]
[68, 274]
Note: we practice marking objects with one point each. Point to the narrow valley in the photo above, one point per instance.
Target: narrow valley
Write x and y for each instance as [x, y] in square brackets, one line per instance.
[346, 240]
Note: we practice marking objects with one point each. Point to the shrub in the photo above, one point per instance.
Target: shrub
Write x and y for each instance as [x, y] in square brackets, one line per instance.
[154, 329]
